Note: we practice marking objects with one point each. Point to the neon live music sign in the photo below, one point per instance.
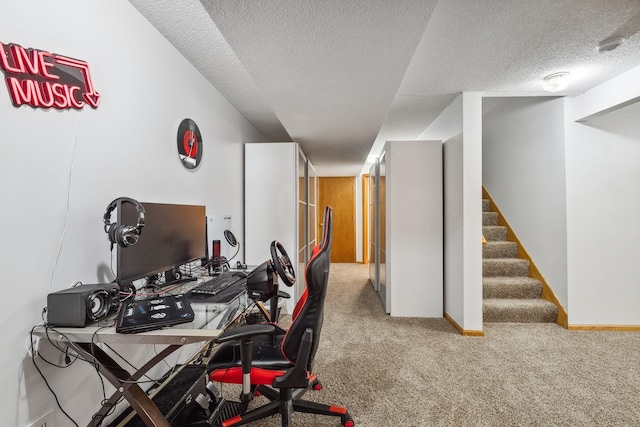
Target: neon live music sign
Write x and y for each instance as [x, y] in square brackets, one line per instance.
[43, 79]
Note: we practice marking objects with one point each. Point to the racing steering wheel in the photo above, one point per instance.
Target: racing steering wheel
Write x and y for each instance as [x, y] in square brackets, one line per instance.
[282, 263]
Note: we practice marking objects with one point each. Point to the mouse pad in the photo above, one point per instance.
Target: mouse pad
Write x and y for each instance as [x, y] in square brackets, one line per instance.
[153, 313]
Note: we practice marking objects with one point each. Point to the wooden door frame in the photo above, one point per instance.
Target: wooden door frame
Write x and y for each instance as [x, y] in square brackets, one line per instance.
[365, 219]
[322, 202]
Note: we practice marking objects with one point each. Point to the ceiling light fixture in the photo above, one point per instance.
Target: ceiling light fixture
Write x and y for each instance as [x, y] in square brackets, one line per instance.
[556, 82]
[609, 44]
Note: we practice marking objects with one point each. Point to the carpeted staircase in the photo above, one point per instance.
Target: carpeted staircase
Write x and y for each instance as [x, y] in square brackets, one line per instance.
[509, 295]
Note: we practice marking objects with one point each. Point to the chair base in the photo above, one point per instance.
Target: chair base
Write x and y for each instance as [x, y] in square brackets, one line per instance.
[284, 402]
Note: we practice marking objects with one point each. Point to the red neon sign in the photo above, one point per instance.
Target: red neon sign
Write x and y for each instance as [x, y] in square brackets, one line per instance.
[42, 79]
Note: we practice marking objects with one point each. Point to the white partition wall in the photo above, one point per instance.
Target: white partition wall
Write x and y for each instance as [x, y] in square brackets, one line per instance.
[271, 200]
[279, 205]
[459, 127]
[603, 219]
[414, 228]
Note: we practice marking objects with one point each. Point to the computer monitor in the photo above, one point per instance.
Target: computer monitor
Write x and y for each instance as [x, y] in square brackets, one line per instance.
[173, 235]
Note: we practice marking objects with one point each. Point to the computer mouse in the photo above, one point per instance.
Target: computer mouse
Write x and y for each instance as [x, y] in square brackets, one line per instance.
[240, 274]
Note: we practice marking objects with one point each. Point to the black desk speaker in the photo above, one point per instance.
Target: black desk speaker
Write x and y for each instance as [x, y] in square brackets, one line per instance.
[82, 305]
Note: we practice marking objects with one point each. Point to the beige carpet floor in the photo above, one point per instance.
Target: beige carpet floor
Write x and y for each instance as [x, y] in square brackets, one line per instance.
[421, 372]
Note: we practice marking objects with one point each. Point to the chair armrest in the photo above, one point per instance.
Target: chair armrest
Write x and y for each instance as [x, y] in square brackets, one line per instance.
[247, 331]
[298, 375]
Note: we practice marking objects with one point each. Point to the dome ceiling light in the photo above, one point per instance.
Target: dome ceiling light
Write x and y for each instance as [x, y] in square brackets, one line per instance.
[556, 82]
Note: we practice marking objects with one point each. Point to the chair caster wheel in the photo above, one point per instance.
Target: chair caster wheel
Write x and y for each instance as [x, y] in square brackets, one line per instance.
[347, 421]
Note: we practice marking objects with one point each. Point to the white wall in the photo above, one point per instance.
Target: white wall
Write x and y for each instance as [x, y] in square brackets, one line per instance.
[271, 199]
[472, 199]
[447, 127]
[60, 169]
[523, 169]
[603, 217]
[460, 128]
[453, 237]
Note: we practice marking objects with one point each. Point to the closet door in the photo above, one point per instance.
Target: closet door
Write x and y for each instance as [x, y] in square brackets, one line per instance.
[383, 291]
[373, 227]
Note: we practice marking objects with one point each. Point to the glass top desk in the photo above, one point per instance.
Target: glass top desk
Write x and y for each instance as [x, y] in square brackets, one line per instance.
[209, 322]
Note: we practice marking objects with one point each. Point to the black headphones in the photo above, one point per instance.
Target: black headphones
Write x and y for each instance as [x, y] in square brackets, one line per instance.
[123, 235]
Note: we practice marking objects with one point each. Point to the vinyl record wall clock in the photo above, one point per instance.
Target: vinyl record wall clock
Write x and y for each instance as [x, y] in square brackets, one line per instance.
[189, 144]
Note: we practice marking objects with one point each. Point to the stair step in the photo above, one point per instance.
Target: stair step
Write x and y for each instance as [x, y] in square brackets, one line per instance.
[489, 218]
[494, 233]
[505, 267]
[500, 249]
[511, 288]
[509, 295]
[519, 311]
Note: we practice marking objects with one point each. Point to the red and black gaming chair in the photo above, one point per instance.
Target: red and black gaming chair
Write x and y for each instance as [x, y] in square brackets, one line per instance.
[277, 363]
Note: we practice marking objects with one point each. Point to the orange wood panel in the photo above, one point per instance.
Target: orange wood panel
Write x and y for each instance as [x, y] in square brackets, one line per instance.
[340, 193]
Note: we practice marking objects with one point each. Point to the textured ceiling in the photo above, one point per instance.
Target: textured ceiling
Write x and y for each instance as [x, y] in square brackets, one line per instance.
[341, 77]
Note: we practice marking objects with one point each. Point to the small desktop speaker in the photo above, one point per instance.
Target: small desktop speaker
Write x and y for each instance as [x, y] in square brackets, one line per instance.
[82, 305]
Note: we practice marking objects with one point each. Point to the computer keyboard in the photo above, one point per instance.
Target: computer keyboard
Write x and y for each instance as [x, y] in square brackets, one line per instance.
[217, 284]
